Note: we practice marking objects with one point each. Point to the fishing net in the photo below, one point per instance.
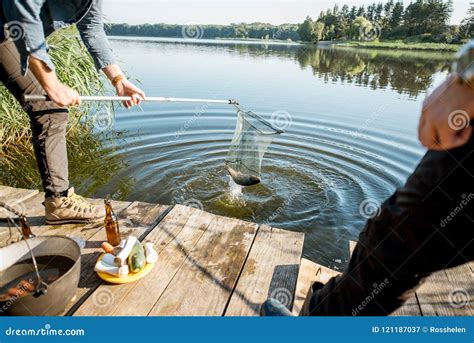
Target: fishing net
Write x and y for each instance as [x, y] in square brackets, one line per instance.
[252, 136]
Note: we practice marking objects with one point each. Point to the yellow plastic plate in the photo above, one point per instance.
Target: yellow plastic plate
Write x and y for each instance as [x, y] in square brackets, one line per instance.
[131, 277]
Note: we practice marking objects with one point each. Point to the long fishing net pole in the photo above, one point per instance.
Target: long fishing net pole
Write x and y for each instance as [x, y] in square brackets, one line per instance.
[33, 98]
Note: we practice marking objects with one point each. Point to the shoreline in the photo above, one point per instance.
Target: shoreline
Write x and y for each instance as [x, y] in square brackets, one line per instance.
[383, 45]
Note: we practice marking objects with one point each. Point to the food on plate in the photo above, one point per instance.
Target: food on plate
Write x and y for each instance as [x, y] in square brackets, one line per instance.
[137, 259]
[151, 254]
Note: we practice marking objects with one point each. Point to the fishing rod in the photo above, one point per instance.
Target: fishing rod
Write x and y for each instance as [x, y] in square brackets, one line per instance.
[32, 98]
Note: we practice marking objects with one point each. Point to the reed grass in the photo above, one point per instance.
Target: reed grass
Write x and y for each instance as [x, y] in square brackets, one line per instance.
[75, 68]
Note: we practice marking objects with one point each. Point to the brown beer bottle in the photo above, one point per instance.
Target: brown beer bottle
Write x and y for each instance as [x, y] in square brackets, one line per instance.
[111, 225]
[25, 228]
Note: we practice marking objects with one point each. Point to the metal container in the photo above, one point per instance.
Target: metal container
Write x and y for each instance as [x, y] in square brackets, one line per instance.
[58, 293]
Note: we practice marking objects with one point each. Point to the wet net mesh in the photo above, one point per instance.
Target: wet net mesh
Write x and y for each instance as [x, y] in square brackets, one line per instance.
[252, 136]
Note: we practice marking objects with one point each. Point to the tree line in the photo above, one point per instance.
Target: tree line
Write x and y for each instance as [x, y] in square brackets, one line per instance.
[419, 21]
[232, 31]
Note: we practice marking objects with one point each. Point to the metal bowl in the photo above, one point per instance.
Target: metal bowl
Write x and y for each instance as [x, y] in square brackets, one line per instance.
[58, 293]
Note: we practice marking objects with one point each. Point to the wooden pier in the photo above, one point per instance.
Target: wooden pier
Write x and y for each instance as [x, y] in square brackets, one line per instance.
[208, 265]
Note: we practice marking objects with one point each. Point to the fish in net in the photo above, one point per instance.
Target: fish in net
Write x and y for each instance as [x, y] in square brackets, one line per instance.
[252, 136]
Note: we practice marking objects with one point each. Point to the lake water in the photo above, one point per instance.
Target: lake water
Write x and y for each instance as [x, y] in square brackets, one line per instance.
[351, 132]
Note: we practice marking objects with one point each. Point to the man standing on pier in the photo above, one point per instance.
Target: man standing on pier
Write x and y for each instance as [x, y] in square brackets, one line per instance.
[26, 68]
[425, 226]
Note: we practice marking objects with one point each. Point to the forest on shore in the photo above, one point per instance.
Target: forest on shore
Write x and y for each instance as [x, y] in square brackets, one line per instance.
[420, 21]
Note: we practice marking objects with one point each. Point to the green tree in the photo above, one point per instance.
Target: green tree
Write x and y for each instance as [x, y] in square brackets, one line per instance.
[378, 12]
[305, 30]
[396, 15]
[353, 13]
[388, 8]
[318, 31]
[371, 12]
[466, 28]
[427, 16]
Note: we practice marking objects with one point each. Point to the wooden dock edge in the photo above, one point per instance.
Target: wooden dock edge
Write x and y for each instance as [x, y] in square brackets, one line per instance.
[309, 273]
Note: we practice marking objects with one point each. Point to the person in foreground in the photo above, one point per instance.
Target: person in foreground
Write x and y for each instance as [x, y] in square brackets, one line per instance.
[26, 68]
[425, 226]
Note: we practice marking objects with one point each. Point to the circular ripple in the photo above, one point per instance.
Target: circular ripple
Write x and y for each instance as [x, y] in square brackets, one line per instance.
[314, 177]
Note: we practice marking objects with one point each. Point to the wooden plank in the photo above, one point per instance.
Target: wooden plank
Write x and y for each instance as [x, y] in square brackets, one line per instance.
[137, 219]
[352, 245]
[310, 272]
[435, 295]
[14, 197]
[173, 254]
[173, 237]
[35, 216]
[410, 308]
[271, 271]
[460, 296]
[204, 283]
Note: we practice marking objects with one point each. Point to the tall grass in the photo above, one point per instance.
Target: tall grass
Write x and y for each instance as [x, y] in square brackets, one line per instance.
[91, 162]
[75, 68]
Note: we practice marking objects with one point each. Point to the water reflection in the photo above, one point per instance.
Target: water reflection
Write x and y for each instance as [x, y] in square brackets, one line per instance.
[404, 72]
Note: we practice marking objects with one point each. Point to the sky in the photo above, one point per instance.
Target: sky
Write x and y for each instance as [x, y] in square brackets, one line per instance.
[231, 11]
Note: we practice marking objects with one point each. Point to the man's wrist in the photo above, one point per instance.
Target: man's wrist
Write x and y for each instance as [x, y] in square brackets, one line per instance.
[117, 79]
